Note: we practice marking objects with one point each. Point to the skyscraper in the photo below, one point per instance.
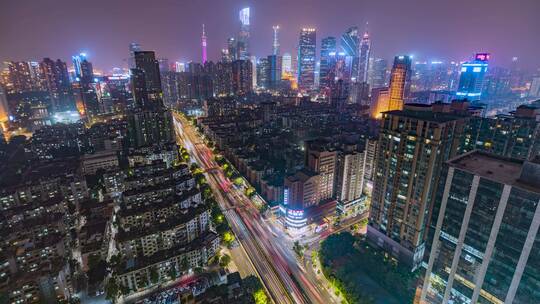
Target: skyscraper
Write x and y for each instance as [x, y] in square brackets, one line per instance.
[306, 58]
[377, 75]
[471, 79]
[275, 41]
[485, 245]
[146, 62]
[328, 51]
[263, 71]
[243, 35]
[365, 52]
[413, 144]
[350, 42]
[275, 67]
[149, 122]
[400, 82]
[84, 71]
[286, 64]
[203, 44]
[56, 78]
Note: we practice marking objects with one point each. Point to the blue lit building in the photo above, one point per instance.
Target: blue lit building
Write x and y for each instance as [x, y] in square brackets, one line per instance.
[471, 78]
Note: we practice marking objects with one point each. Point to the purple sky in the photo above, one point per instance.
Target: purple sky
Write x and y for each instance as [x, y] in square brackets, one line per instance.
[429, 29]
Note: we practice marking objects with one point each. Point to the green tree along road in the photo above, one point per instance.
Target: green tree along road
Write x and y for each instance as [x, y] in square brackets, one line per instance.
[347, 261]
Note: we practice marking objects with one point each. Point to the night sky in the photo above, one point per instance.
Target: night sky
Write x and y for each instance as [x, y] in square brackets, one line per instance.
[429, 29]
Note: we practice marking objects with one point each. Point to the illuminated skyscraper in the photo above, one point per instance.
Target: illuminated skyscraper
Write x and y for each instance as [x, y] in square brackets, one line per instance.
[350, 42]
[203, 42]
[328, 51]
[471, 78]
[377, 75]
[275, 41]
[400, 82]
[306, 58]
[363, 64]
[286, 64]
[83, 68]
[232, 50]
[275, 67]
[263, 72]
[413, 144]
[243, 35]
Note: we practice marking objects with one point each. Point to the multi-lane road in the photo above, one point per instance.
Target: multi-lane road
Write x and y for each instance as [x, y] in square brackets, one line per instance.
[267, 248]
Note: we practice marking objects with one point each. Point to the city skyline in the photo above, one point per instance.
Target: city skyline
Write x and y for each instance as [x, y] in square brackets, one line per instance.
[106, 39]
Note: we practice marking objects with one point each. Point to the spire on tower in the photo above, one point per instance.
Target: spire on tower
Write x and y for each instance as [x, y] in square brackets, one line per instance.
[203, 40]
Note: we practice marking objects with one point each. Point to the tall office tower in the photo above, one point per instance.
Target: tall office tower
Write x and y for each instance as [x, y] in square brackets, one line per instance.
[56, 80]
[275, 41]
[350, 42]
[377, 75]
[515, 135]
[146, 63]
[232, 49]
[328, 51]
[485, 244]
[133, 47]
[242, 78]
[365, 53]
[286, 65]
[400, 82]
[413, 144]
[203, 44]
[275, 67]
[322, 160]
[306, 58]
[471, 79]
[243, 35]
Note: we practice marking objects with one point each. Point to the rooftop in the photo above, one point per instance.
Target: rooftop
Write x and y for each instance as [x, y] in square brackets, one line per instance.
[500, 169]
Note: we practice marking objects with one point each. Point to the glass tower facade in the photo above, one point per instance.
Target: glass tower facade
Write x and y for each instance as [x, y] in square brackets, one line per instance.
[306, 58]
[486, 247]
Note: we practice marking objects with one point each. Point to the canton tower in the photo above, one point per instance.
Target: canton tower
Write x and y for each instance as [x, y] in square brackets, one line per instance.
[203, 40]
